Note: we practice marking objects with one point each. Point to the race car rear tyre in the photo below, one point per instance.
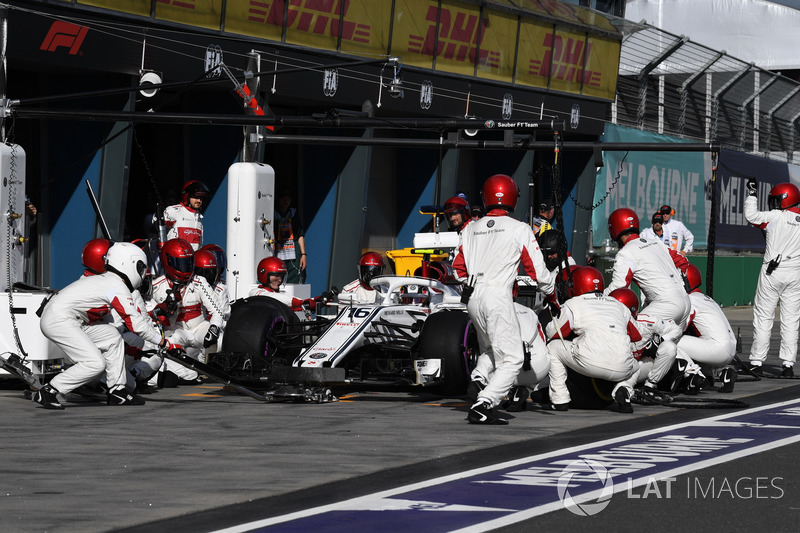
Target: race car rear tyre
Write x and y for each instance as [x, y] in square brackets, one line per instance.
[449, 335]
[251, 328]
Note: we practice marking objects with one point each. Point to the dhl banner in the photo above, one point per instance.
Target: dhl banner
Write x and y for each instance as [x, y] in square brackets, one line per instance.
[414, 34]
[134, 7]
[256, 19]
[498, 46]
[446, 35]
[202, 13]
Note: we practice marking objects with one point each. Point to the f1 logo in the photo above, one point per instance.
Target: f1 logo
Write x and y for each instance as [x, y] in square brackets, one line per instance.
[64, 34]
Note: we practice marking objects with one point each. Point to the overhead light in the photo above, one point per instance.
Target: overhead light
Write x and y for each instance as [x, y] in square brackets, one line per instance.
[148, 79]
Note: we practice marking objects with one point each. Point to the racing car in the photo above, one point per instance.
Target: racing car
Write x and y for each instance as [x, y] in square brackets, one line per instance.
[417, 333]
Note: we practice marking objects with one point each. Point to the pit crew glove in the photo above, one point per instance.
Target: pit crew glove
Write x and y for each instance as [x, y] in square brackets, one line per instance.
[171, 302]
[211, 336]
[326, 296]
[752, 186]
[552, 304]
[170, 347]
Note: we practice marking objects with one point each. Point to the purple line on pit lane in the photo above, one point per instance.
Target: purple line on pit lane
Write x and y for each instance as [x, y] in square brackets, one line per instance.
[529, 486]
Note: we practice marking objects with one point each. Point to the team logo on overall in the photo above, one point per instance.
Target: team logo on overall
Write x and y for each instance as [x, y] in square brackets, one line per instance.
[797, 219]
[330, 83]
[426, 94]
[490, 224]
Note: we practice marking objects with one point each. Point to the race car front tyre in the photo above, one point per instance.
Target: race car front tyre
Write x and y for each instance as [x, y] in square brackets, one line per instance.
[449, 335]
[251, 330]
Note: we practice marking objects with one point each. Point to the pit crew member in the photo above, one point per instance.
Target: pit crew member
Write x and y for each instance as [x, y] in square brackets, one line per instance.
[709, 338]
[655, 269]
[271, 273]
[592, 335]
[71, 319]
[370, 265]
[492, 250]
[779, 278]
[185, 220]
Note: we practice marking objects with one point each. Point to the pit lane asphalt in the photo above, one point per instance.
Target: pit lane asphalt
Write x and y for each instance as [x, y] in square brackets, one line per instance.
[196, 459]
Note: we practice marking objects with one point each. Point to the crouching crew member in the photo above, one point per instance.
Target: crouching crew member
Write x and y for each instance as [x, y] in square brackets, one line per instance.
[592, 335]
[71, 319]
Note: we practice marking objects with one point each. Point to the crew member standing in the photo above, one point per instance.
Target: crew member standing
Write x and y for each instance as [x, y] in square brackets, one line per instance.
[779, 279]
[677, 236]
[185, 220]
[290, 240]
[657, 271]
[490, 254]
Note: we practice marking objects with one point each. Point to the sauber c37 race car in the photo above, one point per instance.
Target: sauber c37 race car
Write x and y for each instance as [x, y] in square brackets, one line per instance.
[417, 333]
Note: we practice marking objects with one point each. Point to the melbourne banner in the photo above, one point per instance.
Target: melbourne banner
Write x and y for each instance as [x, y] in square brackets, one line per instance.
[644, 181]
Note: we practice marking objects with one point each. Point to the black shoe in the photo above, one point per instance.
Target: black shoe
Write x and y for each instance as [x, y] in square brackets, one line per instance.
[143, 388]
[555, 407]
[679, 380]
[474, 388]
[787, 372]
[47, 398]
[727, 379]
[481, 413]
[756, 370]
[517, 399]
[694, 383]
[123, 397]
[167, 380]
[648, 395]
[623, 400]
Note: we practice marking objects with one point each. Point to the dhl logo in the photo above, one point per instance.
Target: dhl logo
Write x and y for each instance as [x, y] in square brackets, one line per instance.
[459, 34]
[563, 61]
[314, 16]
[185, 4]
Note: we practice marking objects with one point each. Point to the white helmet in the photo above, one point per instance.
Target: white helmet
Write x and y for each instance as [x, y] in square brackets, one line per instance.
[128, 261]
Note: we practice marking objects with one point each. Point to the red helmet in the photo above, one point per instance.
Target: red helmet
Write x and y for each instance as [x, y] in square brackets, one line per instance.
[622, 222]
[500, 191]
[694, 278]
[628, 298]
[370, 265]
[94, 253]
[454, 205]
[270, 266]
[205, 264]
[783, 196]
[177, 258]
[194, 189]
[219, 254]
[586, 279]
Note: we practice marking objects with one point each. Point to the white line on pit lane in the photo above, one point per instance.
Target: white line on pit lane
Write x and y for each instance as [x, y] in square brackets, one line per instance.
[375, 501]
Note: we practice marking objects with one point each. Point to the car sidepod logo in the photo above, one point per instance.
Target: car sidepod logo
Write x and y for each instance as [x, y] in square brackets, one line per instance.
[317, 355]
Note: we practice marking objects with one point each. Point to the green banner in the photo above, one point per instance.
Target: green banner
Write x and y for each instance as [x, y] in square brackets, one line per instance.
[644, 181]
